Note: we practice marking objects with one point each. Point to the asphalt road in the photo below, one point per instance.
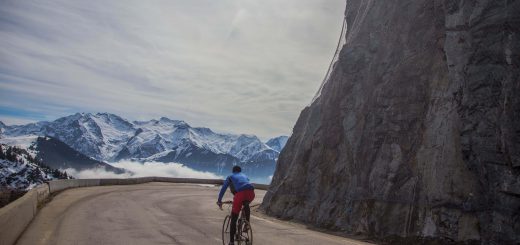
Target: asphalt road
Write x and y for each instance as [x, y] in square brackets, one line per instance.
[153, 213]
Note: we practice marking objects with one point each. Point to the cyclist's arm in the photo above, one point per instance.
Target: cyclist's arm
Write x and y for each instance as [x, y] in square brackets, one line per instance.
[223, 190]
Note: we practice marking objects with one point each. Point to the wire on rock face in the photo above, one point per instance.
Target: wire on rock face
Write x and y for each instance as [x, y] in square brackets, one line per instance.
[341, 41]
[362, 12]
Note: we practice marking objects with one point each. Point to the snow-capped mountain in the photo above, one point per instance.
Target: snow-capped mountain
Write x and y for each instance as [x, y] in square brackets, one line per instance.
[277, 143]
[108, 137]
[53, 153]
[19, 169]
[155, 139]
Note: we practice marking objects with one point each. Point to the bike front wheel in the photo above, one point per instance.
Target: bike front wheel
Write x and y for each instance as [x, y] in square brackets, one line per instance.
[225, 230]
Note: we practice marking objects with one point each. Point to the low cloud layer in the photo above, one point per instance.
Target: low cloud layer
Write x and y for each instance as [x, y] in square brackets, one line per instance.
[242, 66]
[143, 170]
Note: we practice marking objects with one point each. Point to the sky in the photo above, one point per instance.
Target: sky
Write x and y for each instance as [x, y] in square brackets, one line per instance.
[238, 66]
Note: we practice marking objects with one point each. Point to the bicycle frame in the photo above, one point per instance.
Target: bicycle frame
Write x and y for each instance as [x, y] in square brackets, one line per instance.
[243, 226]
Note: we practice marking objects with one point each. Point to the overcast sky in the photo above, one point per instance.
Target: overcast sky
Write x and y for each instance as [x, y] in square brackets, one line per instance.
[241, 66]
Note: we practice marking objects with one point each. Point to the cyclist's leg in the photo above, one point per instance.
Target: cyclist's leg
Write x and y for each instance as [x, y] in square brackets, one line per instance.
[235, 211]
[233, 227]
[249, 196]
[238, 199]
[247, 211]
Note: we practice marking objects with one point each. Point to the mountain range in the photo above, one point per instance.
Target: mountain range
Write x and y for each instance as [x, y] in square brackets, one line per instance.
[104, 137]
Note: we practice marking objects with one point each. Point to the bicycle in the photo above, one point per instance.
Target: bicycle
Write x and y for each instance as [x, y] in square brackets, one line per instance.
[244, 234]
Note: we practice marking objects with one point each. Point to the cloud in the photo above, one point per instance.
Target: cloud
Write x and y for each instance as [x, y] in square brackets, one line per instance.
[143, 170]
[242, 66]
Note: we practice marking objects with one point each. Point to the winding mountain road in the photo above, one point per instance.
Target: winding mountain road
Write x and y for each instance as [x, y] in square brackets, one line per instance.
[153, 213]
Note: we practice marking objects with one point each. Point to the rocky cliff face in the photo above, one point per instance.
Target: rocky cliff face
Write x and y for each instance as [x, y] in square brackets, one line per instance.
[417, 131]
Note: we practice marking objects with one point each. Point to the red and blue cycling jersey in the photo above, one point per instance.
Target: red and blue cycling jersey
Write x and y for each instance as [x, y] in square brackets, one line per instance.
[237, 182]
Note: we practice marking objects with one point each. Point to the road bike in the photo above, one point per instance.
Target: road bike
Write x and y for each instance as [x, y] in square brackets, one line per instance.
[244, 234]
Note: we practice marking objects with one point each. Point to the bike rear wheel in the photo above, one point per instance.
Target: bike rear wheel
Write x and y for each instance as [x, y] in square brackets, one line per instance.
[245, 233]
[225, 230]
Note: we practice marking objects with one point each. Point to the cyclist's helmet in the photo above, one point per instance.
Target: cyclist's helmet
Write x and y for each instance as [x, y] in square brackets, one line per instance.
[237, 169]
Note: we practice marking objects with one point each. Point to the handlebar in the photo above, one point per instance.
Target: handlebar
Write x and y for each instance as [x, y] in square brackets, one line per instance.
[224, 202]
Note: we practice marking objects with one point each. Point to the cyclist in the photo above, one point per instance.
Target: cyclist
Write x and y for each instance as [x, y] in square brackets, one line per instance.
[243, 191]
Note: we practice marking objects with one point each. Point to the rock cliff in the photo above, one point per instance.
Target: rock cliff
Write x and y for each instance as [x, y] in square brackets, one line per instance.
[416, 132]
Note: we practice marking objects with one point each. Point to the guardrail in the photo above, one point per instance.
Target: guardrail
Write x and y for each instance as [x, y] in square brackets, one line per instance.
[16, 216]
